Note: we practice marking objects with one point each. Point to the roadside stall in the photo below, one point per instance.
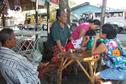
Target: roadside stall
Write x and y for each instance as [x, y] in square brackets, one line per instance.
[27, 40]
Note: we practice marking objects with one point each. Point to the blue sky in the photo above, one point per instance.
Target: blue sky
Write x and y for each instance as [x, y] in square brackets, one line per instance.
[121, 4]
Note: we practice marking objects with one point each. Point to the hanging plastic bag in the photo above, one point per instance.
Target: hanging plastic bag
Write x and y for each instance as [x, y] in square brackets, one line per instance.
[36, 54]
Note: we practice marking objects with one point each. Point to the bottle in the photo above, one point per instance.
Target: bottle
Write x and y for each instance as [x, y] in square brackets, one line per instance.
[90, 43]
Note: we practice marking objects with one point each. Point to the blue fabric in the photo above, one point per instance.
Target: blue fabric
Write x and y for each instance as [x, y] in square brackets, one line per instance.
[113, 74]
[116, 64]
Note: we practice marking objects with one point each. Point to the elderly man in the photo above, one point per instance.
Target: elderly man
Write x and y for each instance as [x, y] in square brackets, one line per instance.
[15, 68]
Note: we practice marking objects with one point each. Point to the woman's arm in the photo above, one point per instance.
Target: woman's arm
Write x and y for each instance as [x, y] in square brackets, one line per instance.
[59, 45]
[101, 48]
[82, 32]
[85, 41]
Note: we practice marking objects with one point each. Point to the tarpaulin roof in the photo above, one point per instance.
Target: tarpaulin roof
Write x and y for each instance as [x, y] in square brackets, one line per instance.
[85, 8]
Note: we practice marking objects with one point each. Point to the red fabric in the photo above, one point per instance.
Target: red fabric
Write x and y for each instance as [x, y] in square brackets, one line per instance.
[56, 51]
[69, 46]
[42, 69]
[55, 1]
[55, 54]
[42, 72]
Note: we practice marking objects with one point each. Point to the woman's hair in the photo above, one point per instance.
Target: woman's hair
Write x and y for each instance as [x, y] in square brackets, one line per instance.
[90, 32]
[58, 13]
[81, 20]
[95, 21]
[109, 30]
[5, 34]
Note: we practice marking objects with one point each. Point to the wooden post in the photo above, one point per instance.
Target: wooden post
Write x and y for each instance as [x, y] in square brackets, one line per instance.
[36, 16]
[103, 11]
[3, 20]
[48, 16]
[36, 21]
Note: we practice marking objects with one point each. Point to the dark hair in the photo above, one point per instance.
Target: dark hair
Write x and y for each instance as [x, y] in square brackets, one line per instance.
[5, 34]
[81, 19]
[110, 30]
[90, 20]
[58, 13]
[90, 32]
[95, 21]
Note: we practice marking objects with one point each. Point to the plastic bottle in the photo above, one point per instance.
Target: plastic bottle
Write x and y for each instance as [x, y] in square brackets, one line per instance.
[90, 43]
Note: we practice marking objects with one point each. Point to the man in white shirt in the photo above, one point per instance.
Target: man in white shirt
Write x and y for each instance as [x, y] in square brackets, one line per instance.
[15, 68]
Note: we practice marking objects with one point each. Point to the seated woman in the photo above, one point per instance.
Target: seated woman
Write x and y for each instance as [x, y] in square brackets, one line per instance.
[114, 56]
[59, 34]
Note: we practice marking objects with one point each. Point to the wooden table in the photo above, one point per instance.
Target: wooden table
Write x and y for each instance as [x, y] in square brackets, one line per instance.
[68, 58]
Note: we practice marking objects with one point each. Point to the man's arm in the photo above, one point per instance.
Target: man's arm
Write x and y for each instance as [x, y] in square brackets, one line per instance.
[59, 45]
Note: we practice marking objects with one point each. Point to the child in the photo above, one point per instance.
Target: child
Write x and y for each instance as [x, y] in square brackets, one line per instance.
[88, 39]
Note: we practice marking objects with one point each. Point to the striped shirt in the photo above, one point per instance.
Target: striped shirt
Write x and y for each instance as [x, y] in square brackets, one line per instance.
[16, 69]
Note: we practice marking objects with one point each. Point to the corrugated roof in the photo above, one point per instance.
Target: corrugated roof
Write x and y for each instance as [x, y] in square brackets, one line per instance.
[85, 8]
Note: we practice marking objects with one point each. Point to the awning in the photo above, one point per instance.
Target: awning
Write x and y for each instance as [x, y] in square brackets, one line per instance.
[24, 4]
[40, 2]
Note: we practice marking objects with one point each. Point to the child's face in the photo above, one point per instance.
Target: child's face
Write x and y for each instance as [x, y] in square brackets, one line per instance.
[93, 26]
[102, 35]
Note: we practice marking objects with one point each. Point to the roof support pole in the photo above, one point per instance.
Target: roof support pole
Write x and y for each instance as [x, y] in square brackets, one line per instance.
[48, 15]
[104, 2]
[3, 20]
[36, 21]
[36, 16]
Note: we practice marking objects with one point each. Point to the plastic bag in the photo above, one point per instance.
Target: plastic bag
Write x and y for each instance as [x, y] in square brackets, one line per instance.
[36, 56]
